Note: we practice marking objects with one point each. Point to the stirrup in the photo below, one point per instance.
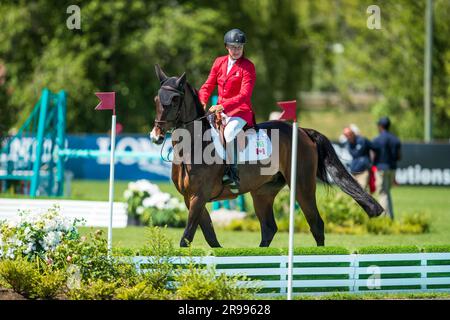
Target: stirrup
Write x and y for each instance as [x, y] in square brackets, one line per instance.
[234, 187]
[231, 178]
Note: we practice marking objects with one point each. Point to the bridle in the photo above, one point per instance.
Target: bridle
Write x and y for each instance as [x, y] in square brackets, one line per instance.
[176, 120]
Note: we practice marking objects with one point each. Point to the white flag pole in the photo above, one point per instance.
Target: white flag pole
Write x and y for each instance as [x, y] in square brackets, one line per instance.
[111, 182]
[292, 207]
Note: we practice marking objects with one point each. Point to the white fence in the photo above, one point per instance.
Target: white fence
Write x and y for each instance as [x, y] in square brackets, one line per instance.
[318, 274]
[96, 213]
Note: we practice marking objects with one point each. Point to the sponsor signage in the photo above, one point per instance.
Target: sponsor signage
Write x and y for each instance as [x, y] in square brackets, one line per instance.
[421, 164]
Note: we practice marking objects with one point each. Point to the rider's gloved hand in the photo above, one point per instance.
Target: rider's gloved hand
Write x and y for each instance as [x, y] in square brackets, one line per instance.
[216, 108]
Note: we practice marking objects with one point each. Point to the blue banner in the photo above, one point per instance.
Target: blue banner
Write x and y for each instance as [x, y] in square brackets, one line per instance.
[125, 168]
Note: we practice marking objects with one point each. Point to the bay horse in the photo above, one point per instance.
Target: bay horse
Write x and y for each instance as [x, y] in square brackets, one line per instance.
[177, 106]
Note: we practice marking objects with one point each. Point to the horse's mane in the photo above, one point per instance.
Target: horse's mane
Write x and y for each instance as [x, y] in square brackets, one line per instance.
[194, 93]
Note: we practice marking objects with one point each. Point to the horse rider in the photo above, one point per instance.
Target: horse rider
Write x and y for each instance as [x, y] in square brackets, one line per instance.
[235, 77]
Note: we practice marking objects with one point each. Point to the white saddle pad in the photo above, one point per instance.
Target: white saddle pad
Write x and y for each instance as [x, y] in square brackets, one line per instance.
[259, 146]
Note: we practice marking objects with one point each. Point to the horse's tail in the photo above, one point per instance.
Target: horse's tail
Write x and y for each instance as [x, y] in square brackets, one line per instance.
[329, 163]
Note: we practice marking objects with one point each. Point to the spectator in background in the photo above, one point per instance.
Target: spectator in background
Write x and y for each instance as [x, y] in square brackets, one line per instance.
[387, 148]
[359, 148]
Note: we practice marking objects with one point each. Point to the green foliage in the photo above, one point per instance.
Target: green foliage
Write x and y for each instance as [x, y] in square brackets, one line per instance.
[436, 248]
[142, 291]
[390, 249]
[341, 215]
[164, 217]
[229, 252]
[32, 279]
[151, 207]
[119, 42]
[36, 234]
[161, 250]
[196, 283]
[90, 255]
[18, 274]
[94, 290]
[318, 251]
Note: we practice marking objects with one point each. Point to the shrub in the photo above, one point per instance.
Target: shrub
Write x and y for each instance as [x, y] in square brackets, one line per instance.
[152, 207]
[196, 283]
[94, 290]
[341, 210]
[390, 249]
[380, 225]
[161, 250]
[437, 248]
[36, 234]
[341, 215]
[19, 274]
[420, 220]
[32, 279]
[90, 255]
[142, 291]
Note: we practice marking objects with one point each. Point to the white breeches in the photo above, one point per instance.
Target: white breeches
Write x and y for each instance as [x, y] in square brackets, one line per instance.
[233, 126]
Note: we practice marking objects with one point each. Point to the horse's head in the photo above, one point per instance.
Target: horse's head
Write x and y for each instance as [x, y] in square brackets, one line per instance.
[168, 102]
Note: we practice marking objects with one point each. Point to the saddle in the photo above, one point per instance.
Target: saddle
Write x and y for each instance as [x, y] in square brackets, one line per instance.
[219, 125]
[257, 144]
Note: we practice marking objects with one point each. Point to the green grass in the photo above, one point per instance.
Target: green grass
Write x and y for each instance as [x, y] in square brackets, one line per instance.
[375, 296]
[433, 200]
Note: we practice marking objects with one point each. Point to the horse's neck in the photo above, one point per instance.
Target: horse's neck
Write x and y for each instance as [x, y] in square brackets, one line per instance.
[193, 110]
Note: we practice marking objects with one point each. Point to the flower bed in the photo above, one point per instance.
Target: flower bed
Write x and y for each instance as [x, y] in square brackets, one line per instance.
[148, 205]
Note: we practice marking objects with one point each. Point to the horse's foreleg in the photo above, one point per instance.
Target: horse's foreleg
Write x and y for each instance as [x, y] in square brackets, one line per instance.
[196, 207]
[207, 227]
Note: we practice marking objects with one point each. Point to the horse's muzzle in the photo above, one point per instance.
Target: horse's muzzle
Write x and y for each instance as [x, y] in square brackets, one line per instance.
[156, 138]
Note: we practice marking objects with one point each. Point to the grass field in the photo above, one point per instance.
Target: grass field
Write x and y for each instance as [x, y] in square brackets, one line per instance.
[433, 200]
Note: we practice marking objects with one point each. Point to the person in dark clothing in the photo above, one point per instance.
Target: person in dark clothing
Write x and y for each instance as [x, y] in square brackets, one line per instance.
[359, 148]
[387, 149]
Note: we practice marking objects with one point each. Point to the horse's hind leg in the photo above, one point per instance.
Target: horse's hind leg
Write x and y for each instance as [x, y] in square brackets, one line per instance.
[263, 204]
[306, 197]
[306, 186]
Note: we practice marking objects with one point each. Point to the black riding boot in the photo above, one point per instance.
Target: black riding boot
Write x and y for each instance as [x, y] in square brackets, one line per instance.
[231, 175]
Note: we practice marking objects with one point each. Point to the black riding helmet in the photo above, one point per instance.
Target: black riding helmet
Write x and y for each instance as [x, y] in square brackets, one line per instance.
[234, 36]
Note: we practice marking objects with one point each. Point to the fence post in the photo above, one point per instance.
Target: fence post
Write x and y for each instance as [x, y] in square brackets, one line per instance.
[355, 265]
[283, 278]
[423, 271]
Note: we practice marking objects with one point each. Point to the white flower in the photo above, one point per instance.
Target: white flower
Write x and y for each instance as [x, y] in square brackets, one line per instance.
[133, 187]
[127, 194]
[174, 203]
[157, 200]
[140, 210]
[35, 233]
[147, 186]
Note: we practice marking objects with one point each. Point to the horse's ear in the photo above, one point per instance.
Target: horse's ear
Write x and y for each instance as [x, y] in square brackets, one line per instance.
[160, 74]
[181, 80]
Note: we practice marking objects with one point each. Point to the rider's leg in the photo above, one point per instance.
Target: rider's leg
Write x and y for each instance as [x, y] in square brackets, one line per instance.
[232, 129]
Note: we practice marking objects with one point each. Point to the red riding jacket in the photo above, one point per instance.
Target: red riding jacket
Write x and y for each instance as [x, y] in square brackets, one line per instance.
[235, 89]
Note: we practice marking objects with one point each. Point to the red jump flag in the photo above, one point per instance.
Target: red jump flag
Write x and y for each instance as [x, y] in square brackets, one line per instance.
[289, 110]
[107, 101]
